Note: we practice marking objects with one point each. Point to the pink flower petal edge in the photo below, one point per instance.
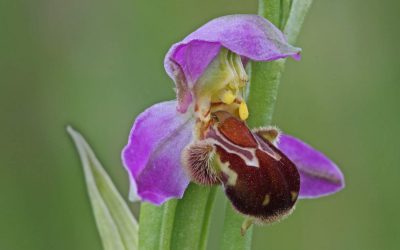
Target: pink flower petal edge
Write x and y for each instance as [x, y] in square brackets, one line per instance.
[319, 176]
[152, 156]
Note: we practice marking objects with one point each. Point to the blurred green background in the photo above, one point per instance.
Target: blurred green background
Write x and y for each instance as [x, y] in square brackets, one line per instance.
[97, 64]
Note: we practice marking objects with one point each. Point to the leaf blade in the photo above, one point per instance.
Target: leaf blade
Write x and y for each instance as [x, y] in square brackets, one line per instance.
[298, 12]
[117, 227]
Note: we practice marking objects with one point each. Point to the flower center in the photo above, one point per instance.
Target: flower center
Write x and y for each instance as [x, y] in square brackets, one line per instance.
[221, 88]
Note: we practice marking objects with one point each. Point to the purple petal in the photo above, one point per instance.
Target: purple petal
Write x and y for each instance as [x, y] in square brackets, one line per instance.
[318, 174]
[153, 154]
[250, 36]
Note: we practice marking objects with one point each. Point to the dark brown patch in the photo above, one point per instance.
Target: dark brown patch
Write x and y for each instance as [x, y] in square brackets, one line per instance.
[235, 130]
[277, 179]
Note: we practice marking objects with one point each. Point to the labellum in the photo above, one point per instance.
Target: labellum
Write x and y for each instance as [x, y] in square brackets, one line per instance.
[259, 180]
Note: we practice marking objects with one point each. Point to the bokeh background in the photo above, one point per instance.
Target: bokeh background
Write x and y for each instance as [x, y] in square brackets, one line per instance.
[96, 64]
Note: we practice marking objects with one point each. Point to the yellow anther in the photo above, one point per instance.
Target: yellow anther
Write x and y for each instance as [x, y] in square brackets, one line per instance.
[228, 97]
[243, 111]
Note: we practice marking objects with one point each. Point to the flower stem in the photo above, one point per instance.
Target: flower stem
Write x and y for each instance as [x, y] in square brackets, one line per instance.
[167, 224]
[207, 219]
[264, 78]
[232, 239]
[156, 225]
[177, 224]
[192, 218]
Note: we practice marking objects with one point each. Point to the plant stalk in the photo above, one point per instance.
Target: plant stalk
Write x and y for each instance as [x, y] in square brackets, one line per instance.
[288, 15]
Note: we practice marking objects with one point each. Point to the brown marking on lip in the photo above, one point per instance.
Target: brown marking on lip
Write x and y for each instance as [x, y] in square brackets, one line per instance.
[235, 130]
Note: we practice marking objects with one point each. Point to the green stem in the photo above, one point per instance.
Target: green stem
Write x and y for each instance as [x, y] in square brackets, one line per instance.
[264, 78]
[182, 224]
[271, 10]
[156, 225]
[232, 239]
[167, 224]
[207, 219]
[192, 218]
[285, 11]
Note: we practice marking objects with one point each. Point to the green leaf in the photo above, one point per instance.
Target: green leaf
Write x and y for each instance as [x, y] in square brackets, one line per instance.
[298, 12]
[117, 227]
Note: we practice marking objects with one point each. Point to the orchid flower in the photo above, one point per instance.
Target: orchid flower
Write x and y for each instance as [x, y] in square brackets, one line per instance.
[202, 136]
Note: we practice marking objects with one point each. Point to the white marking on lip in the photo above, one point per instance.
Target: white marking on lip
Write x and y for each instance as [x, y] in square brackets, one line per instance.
[232, 175]
[254, 162]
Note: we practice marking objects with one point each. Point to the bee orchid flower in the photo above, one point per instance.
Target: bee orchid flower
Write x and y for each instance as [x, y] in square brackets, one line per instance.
[202, 136]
